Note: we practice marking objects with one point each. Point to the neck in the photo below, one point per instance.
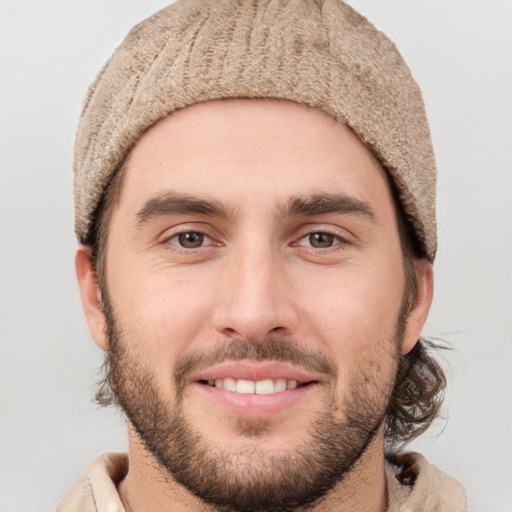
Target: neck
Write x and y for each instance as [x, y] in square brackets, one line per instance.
[148, 488]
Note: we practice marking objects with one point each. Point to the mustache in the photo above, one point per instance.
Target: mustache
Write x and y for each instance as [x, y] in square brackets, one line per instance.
[271, 349]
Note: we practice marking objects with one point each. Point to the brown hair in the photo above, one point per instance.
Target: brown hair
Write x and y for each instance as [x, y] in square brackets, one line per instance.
[420, 383]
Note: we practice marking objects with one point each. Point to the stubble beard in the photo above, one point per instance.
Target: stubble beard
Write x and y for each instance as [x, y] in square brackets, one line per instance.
[250, 479]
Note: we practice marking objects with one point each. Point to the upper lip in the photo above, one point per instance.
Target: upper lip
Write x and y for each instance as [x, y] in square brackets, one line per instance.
[255, 371]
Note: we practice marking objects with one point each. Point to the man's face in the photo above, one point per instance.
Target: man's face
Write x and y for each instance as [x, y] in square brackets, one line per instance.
[255, 286]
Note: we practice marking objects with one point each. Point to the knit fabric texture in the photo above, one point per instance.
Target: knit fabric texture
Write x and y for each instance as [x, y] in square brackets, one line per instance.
[319, 53]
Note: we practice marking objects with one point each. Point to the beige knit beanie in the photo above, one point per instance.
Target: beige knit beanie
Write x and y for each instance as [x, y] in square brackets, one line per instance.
[318, 53]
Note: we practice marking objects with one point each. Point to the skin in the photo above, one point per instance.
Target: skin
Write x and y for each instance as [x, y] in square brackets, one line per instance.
[256, 276]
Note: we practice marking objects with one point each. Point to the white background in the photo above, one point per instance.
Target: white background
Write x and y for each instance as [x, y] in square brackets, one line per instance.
[460, 51]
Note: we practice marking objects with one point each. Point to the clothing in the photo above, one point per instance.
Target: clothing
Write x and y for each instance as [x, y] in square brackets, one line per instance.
[433, 491]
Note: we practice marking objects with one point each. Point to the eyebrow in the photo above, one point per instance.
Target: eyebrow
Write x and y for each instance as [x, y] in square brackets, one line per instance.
[319, 204]
[174, 203]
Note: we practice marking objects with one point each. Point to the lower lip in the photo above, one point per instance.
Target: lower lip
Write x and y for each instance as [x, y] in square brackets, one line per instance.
[251, 405]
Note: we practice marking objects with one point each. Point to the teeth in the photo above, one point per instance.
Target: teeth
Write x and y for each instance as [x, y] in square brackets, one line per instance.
[264, 387]
[245, 386]
[230, 384]
[261, 387]
[280, 385]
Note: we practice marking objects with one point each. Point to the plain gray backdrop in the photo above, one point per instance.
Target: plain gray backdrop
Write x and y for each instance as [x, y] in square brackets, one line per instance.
[460, 51]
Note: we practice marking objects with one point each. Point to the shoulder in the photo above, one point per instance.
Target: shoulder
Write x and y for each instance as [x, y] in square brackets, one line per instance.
[96, 488]
[432, 490]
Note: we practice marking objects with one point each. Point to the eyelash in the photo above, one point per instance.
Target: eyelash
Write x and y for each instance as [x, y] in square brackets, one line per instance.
[167, 241]
[339, 242]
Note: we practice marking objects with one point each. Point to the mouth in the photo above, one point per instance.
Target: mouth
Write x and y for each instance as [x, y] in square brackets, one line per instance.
[260, 387]
[255, 389]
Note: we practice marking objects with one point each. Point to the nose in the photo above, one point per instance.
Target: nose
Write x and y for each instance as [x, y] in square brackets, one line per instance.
[255, 298]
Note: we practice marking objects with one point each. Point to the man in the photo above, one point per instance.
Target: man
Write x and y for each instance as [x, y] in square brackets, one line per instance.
[254, 196]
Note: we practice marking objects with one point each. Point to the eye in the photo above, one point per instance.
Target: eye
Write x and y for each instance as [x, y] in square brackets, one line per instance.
[319, 240]
[190, 239]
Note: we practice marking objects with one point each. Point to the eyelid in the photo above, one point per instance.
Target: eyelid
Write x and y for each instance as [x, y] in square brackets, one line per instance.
[186, 227]
[337, 238]
[341, 234]
[172, 232]
[176, 235]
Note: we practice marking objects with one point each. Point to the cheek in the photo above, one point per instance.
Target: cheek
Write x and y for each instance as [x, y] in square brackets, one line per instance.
[356, 323]
[162, 315]
[353, 312]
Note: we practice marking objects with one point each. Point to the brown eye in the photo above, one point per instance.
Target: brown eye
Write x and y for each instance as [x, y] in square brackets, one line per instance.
[190, 239]
[321, 240]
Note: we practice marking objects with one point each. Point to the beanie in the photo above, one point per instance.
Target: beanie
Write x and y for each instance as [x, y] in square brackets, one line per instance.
[319, 53]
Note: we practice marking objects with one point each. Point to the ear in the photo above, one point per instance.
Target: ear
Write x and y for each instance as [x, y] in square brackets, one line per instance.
[91, 296]
[419, 312]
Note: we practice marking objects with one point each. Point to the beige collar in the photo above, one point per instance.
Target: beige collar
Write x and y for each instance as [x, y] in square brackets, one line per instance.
[432, 490]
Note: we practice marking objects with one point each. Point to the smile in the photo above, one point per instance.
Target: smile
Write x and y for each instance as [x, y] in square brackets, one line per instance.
[256, 389]
[260, 387]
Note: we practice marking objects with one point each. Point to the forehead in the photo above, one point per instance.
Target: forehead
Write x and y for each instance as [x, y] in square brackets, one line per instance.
[264, 149]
